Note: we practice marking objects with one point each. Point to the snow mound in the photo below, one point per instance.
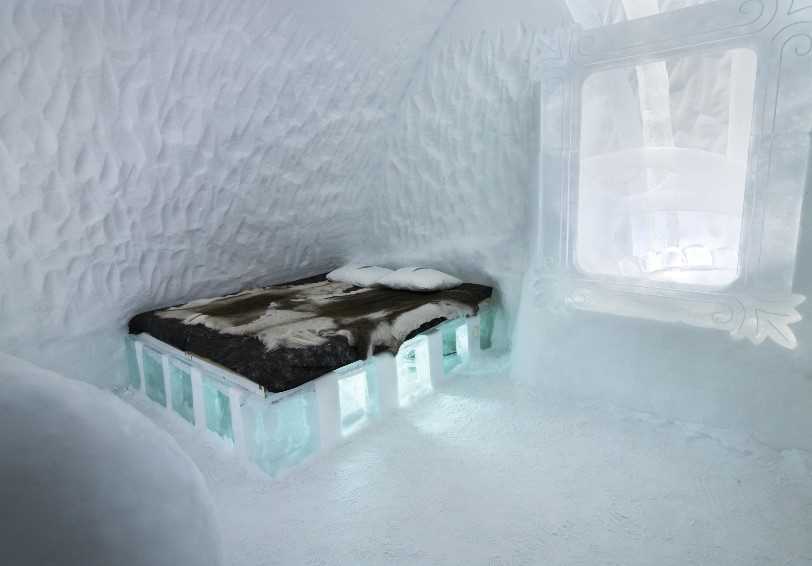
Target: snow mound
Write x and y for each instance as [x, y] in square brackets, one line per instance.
[86, 479]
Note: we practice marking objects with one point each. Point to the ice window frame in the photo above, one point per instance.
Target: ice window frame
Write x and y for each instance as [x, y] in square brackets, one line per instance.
[760, 304]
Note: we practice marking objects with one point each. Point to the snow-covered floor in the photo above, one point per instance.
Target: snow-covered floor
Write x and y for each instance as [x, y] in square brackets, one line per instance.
[489, 472]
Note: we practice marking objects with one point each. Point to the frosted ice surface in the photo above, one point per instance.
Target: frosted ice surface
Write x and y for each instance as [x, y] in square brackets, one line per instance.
[451, 356]
[662, 177]
[596, 13]
[414, 381]
[487, 320]
[354, 401]
[181, 386]
[86, 480]
[133, 372]
[284, 433]
[218, 409]
[154, 376]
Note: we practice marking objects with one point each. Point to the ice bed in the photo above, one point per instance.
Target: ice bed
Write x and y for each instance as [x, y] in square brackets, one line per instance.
[283, 372]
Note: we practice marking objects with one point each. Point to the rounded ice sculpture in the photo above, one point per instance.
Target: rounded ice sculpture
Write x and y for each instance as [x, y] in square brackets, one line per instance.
[86, 479]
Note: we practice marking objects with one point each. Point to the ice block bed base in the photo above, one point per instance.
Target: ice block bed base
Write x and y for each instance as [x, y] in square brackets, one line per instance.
[283, 336]
[277, 431]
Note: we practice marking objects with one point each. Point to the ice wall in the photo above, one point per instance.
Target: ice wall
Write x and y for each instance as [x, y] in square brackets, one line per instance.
[673, 370]
[455, 186]
[153, 151]
[459, 162]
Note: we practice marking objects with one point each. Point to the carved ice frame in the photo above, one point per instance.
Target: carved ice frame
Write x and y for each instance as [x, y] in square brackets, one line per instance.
[760, 304]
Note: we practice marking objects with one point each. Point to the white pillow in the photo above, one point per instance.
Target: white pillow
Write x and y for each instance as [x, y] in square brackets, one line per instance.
[358, 275]
[419, 279]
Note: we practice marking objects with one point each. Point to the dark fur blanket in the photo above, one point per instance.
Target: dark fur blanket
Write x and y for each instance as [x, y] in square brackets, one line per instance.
[283, 336]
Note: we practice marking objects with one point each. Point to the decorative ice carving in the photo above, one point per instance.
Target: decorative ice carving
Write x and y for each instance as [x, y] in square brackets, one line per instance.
[798, 5]
[760, 303]
[769, 318]
[755, 318]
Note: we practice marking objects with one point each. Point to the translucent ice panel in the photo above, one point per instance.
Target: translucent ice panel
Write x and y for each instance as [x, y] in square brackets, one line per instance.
[133, 375]
[218, 410]
[645, 8]
[284, 433]
[353, 398]
[154, 376]
[487, 318]
[451, 357]
[449, 331]
[662, 176]
[597, 13]
[180, 380]
[414, 380]
[374, 387]
[450, 362]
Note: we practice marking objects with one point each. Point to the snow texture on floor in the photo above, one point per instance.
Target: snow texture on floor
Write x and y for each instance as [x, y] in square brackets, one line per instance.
[488, 472]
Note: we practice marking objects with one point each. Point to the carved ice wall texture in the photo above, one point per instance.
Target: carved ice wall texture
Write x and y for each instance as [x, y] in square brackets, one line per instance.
[460, 161]
[153, 151]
